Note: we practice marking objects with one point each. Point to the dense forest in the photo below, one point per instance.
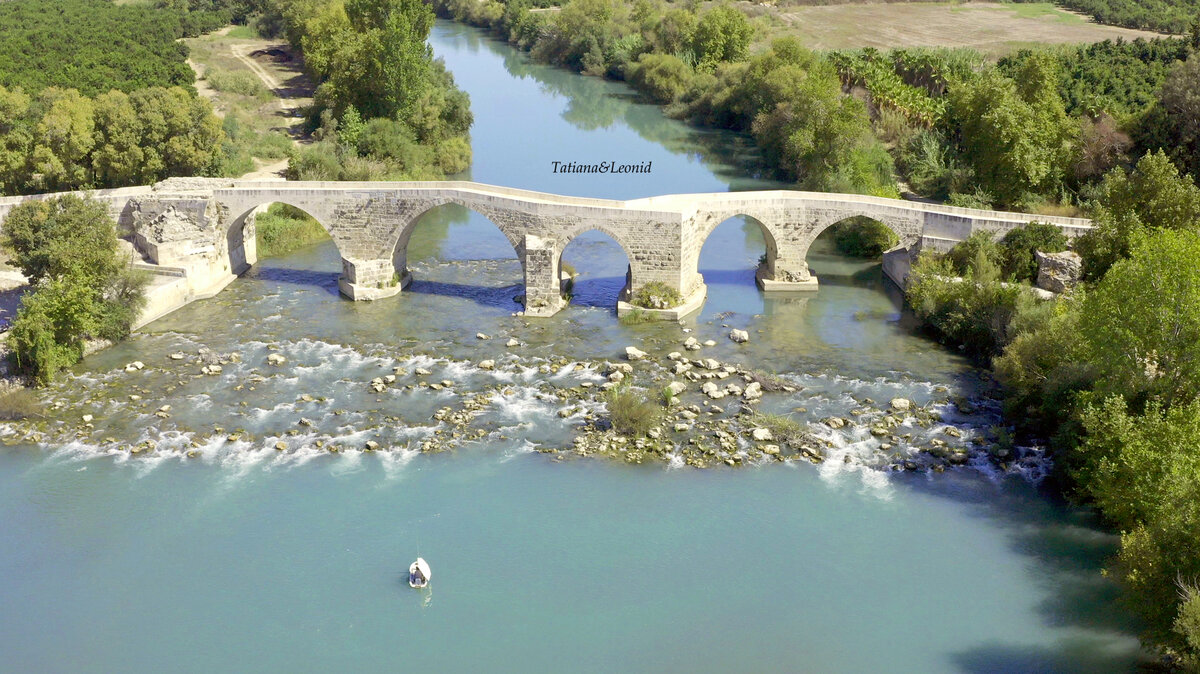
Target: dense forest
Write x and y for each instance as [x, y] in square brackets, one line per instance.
[92, 46]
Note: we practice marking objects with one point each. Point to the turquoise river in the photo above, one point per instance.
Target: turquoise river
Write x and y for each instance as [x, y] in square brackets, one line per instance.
[232, 539]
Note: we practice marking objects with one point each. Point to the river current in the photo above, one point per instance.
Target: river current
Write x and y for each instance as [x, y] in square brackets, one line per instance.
[166, 519]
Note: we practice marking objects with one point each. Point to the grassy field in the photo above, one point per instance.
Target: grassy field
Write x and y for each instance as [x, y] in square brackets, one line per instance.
[993, 28]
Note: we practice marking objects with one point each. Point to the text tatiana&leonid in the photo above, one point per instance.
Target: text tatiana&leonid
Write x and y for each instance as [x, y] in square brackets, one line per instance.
[599, 167]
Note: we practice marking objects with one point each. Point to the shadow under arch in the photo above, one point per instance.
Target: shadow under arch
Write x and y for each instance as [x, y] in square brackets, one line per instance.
[242, 245]
[594, 254]
[473, 235]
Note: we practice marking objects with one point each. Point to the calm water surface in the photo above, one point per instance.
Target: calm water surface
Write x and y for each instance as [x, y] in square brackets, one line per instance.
[242, 557]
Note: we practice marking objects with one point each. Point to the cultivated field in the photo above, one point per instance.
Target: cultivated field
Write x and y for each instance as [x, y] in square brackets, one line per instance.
[990, 27]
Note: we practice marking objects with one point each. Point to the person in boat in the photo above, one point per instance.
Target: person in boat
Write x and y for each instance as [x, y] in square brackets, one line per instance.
[417, 576]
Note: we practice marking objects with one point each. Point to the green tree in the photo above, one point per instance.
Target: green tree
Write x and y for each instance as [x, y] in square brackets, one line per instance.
[1141, 323]
[118, 159]
[67, 247]
[1021, 244]
[1144, 473]
[65, 136]
[722, 34]
[1015, 134]
[1181, 101]
[1153, 196]
[16, 140]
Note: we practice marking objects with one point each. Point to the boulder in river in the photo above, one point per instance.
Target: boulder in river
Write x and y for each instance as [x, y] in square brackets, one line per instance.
[634, 353]
[901, 404]
[739, 336]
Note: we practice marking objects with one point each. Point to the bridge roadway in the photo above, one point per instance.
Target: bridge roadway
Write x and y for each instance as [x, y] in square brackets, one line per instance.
[202, 229]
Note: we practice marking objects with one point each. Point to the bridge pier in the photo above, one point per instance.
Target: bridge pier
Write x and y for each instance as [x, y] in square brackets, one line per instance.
[371, 279]
[543, 283]
[785, 274]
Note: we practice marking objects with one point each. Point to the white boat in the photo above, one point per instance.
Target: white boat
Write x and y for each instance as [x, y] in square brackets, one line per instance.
[419, 573]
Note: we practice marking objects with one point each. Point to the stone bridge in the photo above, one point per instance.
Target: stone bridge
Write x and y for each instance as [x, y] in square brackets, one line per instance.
[205, 229]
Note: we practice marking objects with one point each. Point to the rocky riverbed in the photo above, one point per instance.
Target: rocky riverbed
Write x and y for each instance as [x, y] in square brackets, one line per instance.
[708, 413]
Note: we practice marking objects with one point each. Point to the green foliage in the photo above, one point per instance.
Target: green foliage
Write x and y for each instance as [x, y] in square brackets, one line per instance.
[1169, 16]
[62, 140]
[1119, 78]
[863, 237]
[1020, 244]
[978, 313]
[631, 413]
[722, 34]
[932, 167]
[661, 76]
[241, 82]
[67, 246]
[90, 45]
[965, 254]
[1043, 367]
[284, 229]
[638, 317]
[1015, 133]
[878, 74]
[656, 295]
[384, 106]
[1181, 107]
[1153, 196]
[1143, 471]
[1142, 321]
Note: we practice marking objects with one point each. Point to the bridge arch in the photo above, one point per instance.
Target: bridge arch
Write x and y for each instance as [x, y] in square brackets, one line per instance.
[238, 242]
[622, 290]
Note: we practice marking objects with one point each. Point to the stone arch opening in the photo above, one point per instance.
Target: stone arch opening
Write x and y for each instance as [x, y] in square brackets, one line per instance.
[271, 229]
[851, 250]
[453, 248]
[595, 269]
[736, 251]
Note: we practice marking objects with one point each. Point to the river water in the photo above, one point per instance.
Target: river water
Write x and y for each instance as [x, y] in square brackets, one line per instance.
[223, 534]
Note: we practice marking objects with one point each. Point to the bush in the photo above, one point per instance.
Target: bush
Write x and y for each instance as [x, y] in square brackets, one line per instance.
[631, 414]
[656, 295]
[67, 247]
[966, 253]
[1019, 246]
[17, 404]
[237, 82]
[663, 77]
[786, 430]
[863, 237]
[975, 313]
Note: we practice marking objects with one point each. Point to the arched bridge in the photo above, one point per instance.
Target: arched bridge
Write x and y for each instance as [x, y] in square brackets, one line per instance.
[205, 227]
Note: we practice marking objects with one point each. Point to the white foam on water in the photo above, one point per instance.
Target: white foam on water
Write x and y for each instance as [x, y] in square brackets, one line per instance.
[395, 460]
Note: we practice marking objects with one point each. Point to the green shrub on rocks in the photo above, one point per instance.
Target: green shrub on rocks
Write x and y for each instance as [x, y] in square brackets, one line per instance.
[1020, 244]
[631, 413]
[657, 295]
[784, 429]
